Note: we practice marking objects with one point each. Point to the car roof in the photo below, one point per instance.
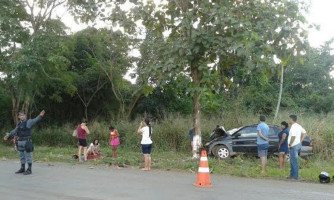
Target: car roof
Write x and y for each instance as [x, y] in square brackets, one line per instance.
[233, 130]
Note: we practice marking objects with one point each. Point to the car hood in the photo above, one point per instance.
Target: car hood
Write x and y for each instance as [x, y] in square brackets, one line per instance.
[220, 138]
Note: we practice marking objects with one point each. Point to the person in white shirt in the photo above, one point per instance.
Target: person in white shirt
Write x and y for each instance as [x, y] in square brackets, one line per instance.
[145, 130]
[94, 148]
[296, 135]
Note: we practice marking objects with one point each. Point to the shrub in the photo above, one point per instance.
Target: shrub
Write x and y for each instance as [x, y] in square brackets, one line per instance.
[171, 133]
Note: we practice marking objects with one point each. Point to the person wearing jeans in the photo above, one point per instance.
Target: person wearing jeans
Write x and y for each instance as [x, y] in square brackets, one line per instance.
[294, 151]
[296, 135]
[262, 142]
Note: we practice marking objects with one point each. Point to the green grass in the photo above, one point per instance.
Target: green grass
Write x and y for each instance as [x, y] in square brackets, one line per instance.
[172, 148]
[241, 166]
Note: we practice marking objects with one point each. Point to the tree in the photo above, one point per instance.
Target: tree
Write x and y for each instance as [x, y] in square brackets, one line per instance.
[310, 84]
[101, 59]
[202, 39]
[30, 49]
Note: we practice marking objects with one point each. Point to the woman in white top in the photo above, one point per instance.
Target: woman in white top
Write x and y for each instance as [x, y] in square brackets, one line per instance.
[94, 148]
[145, 131]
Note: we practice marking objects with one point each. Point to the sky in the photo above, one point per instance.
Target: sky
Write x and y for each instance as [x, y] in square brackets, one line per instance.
[321, 13]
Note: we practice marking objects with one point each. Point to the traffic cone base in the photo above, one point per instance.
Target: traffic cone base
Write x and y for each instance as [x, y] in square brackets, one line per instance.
[203, 175]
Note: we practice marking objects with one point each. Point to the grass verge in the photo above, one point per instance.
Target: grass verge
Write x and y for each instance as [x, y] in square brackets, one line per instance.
[241, 166]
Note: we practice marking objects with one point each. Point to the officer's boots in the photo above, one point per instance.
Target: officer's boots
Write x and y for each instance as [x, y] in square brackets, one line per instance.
[21, 170]
[28, 171]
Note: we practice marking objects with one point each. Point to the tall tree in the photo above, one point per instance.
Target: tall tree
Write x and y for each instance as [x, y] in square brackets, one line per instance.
[204, 38]
[31, 48]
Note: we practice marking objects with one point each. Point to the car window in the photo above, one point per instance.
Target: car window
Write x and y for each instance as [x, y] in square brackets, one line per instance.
[248, 132]
[273, 130]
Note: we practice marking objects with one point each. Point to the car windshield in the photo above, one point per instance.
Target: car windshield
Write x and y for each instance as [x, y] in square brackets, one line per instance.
[232, 131]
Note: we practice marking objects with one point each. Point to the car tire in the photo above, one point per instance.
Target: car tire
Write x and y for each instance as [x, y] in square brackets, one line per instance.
[221, 152]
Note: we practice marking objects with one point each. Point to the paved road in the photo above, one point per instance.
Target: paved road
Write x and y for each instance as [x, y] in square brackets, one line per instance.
[62, 181]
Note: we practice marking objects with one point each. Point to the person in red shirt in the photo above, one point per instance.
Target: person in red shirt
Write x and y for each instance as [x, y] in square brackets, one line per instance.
[82, 132]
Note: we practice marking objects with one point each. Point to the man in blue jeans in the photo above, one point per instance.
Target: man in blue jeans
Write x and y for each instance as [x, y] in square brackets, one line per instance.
[262, 141]
[296, 136]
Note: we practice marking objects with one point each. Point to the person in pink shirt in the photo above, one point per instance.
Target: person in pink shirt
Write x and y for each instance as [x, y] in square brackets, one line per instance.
[82, 132]
[114, 141]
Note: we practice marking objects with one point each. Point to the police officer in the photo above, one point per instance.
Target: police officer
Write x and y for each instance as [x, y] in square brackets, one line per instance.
[24, 142]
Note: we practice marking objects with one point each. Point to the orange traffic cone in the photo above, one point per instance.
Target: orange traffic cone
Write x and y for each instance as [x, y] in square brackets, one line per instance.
[203, 175]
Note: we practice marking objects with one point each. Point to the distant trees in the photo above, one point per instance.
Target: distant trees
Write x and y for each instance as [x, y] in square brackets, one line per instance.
[192, 57]
[310, 85]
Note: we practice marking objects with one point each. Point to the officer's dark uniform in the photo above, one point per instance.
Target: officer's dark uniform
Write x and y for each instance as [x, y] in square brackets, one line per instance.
[24, 143]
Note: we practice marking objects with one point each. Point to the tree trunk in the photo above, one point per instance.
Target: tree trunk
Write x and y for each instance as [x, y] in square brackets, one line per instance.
[16, 105]
[280, 92]
[197, 113]
[133, 105]
[195, 75]
[196, 79]
[86, 113]
[15, 110]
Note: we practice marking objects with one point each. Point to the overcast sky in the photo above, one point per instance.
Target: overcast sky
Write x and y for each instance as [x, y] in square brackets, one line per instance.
[321, 12]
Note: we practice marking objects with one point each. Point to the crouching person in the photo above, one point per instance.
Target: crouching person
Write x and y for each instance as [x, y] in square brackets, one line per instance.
[24, 141]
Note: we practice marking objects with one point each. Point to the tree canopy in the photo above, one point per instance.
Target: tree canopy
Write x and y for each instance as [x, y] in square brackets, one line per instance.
[192, 57]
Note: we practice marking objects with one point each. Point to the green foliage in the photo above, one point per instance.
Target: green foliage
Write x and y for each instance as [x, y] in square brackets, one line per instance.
[171, 133]
[220, 52]
[170, 98]
[11, 14]
[241, 166]
[4, 109]
[206, 39]
[310, 84]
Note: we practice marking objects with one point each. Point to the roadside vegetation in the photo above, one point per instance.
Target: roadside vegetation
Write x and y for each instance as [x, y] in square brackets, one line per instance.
[172, 146]
[183, 63]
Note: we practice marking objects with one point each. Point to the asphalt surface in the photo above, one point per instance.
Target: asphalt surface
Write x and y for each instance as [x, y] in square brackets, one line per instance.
[82, 181]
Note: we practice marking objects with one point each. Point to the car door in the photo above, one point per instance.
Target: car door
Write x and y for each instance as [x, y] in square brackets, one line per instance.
[273, 139]
[244, 140]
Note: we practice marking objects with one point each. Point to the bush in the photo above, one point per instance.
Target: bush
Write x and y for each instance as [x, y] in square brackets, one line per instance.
[171, 133]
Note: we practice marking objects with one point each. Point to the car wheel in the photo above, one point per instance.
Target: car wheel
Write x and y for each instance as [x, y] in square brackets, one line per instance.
[221, 152]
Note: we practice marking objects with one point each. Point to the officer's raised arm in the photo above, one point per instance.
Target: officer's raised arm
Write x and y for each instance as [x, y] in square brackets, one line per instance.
[32, 122]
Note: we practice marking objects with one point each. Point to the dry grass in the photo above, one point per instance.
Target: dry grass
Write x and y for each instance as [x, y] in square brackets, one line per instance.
[171, 134]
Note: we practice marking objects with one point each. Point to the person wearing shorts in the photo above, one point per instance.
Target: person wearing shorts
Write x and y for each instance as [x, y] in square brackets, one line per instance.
[82, 132]
[262, 141]
[146, 148]
[283, 148]
[145, 131]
